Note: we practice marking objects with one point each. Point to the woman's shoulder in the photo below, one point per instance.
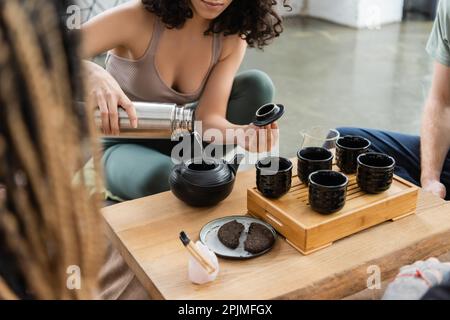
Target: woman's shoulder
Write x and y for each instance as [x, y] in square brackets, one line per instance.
[137, 24]
[232, 44]
[131, 14]
[137, 14]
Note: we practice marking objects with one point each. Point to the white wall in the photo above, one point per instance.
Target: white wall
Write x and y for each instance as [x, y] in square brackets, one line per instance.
[387, 11]
[357, 13]
[296, 5]
[341, 11]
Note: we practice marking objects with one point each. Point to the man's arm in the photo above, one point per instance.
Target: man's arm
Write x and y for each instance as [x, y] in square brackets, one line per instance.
[435, 132]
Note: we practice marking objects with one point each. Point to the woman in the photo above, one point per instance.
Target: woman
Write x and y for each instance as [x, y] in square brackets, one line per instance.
[179, 51]
[49, 226]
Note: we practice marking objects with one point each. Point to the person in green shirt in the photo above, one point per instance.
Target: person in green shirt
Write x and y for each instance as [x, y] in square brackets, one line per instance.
[425, 160]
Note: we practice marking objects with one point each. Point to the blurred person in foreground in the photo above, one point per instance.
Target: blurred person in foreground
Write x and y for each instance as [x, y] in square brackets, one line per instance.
[51, 240]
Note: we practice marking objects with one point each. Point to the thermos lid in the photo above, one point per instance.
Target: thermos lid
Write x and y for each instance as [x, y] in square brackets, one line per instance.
[268, 114]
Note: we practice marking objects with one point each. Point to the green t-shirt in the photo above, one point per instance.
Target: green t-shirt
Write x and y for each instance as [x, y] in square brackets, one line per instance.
[438, 45]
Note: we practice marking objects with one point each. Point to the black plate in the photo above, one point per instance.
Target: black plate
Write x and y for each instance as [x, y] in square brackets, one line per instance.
[208, 236]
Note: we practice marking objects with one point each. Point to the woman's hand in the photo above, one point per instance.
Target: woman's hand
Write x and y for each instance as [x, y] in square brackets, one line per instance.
[259, 139]
[105, 92]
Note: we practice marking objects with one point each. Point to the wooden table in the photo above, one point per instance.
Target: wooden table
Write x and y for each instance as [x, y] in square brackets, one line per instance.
[146, 233]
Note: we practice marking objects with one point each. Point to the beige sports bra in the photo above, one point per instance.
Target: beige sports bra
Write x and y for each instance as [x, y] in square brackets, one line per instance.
[141, 80]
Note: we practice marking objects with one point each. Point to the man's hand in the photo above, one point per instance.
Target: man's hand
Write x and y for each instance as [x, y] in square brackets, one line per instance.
[435, 187]
[415, 280]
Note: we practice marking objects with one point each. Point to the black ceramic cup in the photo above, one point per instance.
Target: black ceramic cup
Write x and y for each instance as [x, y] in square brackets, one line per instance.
[375, 172]
[274, 176]
[327, 191]
[313, 159]
[348, 149]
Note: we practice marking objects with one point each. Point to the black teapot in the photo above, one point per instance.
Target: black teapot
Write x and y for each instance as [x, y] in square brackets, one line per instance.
[204, 181]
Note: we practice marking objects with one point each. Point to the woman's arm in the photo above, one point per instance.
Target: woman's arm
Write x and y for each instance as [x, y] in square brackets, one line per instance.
[213, 104]
[117, 28]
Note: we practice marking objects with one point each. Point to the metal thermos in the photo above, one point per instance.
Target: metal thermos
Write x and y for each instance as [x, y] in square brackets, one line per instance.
[155, 121]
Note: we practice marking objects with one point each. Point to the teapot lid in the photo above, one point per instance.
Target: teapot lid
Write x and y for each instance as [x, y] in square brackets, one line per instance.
[268, 114]
[206, 172]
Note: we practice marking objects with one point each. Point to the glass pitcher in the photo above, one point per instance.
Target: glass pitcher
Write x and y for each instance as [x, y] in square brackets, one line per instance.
[319, 136]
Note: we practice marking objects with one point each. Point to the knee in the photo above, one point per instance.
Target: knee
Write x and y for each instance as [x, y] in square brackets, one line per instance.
[154, 178]
[251, 90]
[133, 171]
[348, 131]
[107, 155]
[258, 85]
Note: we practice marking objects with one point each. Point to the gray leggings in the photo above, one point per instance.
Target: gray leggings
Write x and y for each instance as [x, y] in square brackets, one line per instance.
[138, 168]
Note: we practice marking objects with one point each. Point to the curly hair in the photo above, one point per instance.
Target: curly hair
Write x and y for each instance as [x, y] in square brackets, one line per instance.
[257, 22]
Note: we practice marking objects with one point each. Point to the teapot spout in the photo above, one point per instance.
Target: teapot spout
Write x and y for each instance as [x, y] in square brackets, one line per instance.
[234, 164]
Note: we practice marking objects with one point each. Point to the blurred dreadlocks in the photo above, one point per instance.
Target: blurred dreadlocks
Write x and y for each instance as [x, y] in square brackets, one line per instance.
[47, 222]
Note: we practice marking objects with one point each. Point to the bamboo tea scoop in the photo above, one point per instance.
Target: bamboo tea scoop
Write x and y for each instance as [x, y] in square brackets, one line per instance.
[196, 253]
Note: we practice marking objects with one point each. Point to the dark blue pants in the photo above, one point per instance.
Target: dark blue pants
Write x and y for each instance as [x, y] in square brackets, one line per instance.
[404, 148]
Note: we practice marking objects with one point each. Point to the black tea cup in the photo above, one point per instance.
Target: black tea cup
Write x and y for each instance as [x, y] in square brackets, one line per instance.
[348, 149]
[327, 191]
[274, 176]
[375, 172]
[313, 159]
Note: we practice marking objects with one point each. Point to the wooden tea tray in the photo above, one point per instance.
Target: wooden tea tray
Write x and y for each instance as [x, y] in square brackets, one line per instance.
[308, 231]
